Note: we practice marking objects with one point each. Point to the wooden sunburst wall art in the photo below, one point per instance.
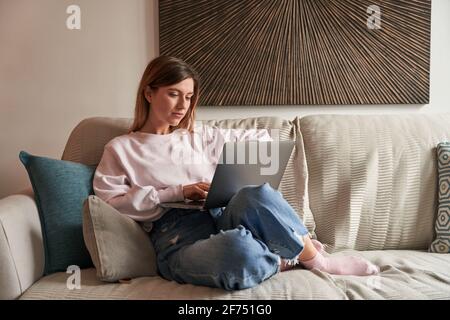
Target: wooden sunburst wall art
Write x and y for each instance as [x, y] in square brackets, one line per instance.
[302, 52]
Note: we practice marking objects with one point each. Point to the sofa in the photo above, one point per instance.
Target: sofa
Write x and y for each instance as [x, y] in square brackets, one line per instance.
[363, 184]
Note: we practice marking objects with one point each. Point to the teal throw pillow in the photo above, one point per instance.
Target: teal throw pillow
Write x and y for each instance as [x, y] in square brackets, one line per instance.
[60, 189]
[442, 225]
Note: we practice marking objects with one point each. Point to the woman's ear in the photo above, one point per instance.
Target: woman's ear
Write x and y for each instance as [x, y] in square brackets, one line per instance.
[148, 94]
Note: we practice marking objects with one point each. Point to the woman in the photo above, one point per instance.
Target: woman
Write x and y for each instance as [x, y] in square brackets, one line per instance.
[255, 236]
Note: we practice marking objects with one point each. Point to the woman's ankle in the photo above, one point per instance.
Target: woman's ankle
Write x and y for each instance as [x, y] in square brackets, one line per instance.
[309, 250]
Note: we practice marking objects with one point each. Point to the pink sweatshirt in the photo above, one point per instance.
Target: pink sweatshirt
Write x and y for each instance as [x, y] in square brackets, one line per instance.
[139, 170]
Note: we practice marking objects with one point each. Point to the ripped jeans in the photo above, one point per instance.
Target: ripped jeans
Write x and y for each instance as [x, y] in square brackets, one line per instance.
[235, 247]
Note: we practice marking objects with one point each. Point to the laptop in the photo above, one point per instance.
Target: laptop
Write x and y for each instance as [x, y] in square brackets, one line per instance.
[242, 163]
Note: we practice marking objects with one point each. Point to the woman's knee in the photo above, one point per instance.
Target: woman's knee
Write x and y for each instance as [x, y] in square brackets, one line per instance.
[249, 261]
[239, 244]
[231, 260]
[255, 191]
[231, 250]
[252, 197]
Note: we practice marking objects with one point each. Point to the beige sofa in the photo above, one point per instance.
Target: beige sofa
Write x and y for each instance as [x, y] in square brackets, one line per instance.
[364, 184]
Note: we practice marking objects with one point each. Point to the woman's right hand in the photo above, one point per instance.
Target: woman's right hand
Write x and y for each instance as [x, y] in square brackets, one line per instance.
[196, 191]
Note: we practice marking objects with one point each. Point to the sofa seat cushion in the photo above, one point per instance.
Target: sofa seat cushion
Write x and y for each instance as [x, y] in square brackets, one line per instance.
[405, 275]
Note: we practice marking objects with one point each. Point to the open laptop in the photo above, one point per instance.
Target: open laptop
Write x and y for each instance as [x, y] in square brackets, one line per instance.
[242, 163]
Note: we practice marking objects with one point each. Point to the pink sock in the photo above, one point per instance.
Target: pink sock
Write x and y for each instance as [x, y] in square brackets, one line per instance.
[318, 245]
[286, 265]
[346, 265]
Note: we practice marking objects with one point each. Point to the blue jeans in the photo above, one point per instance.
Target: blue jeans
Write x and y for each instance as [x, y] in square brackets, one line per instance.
[236, 247]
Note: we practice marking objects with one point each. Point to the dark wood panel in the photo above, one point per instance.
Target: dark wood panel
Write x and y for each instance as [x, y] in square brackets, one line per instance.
[301, 52]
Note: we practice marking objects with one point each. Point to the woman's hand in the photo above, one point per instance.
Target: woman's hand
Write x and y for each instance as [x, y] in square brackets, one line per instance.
[196, 191]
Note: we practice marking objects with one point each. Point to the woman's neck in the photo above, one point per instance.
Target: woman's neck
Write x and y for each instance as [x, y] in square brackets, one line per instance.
[154, 129]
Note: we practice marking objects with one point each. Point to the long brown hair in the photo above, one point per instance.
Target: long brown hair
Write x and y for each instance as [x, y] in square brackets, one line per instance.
[160, 72]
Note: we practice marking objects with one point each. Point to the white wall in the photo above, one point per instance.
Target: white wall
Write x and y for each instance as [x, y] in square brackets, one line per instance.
[51, 77]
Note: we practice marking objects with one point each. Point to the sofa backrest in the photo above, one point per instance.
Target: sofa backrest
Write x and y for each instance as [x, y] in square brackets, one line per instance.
[87, 140]
[373, 178]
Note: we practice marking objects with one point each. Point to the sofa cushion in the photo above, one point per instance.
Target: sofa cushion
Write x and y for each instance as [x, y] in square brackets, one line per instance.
[442, 227]
[293, 185]
[405, 275]
[117, 244]
[87, 141]
[60, 188]
[373, 178]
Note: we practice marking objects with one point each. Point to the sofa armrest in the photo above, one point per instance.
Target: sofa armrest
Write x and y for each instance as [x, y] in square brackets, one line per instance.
[21, 245]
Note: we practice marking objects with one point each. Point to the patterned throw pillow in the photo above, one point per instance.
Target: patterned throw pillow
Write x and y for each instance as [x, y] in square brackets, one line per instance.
[442, 227]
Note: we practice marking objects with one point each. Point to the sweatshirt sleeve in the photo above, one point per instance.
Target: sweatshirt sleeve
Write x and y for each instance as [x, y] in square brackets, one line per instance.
[112, 185]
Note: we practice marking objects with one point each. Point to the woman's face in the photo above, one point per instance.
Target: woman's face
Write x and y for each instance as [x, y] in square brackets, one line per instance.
[170, 104]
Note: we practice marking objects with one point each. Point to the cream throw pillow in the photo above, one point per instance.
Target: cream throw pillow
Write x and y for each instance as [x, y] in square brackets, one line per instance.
[119, 247]
[373, 178]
